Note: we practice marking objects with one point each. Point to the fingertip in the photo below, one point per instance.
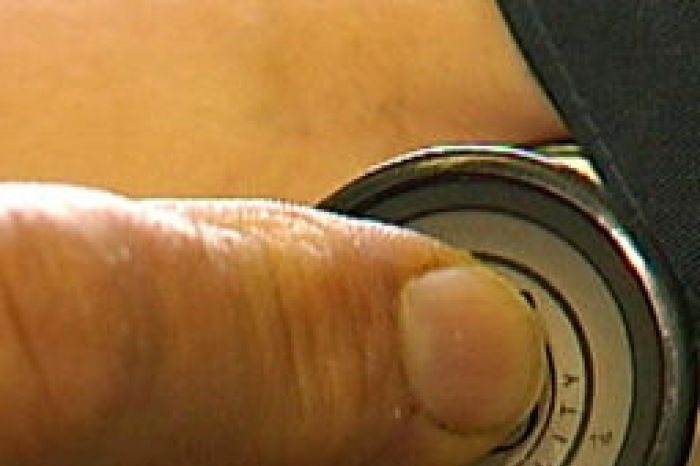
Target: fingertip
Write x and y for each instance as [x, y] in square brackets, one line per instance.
[472, 349]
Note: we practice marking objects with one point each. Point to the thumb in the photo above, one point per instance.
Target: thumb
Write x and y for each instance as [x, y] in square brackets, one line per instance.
[247, 333]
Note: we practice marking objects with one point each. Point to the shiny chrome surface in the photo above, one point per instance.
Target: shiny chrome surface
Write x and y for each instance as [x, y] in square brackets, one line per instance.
[618, 332]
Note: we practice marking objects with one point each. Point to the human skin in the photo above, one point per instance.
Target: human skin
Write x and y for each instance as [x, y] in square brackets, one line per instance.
[238, 333]
[284, 99]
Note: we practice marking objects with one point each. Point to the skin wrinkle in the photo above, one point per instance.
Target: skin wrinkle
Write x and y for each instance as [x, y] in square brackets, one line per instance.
[366, 254]
[281, 348]
[144, 353]
[382, 376]
[48, 304]
[42, 399]
[143, 346]
[24, 342]
[297, 341]
[249, 334]
[332, 291]
[362, 338]
[165, 266]
[403, 399]
[136, 348]
[289, 340]
[217, 298]
[336, 295]
[373, 329]
[251, 329]
[276, 220]
[170, 243]
[255, 449]
[364, 332]
[350, 253]
[310, 353]
[40, 266]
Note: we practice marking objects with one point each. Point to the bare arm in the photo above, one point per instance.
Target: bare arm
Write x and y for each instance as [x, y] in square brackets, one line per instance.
[231, 97]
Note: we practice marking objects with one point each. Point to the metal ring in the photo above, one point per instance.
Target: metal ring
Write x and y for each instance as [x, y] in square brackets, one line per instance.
[446, 178]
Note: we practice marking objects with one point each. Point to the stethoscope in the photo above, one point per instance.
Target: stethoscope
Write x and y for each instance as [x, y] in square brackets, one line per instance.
[622, 385]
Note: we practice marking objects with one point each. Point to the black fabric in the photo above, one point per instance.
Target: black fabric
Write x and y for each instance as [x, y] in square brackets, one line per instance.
[625, 76]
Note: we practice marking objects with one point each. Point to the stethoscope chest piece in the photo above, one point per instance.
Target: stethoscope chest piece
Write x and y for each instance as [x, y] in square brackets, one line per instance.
[621, 381]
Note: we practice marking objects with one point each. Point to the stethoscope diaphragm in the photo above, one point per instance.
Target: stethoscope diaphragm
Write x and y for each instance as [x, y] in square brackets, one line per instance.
[622, 384]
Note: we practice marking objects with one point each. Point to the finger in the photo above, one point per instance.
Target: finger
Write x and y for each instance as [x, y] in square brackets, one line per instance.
[496, 318]
[234, 333]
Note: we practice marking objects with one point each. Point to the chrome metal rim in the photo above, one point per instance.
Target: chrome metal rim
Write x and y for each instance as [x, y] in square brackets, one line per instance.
[462, 180]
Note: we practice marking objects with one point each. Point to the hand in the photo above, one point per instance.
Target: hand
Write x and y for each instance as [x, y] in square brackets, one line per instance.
[233, 333]
[247, 333]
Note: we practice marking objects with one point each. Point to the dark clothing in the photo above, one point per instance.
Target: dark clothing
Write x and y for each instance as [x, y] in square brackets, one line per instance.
[625, 76]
